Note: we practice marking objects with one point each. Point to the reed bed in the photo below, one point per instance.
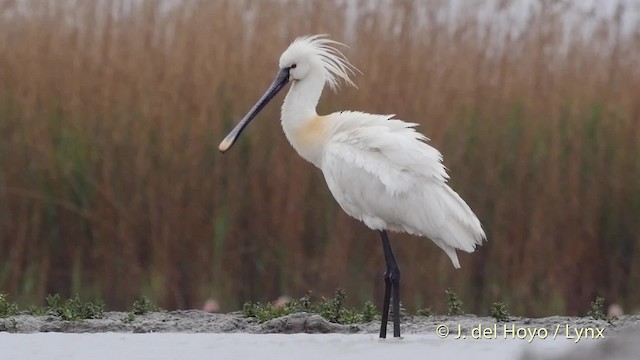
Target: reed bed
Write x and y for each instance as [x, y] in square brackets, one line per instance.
[111, 185]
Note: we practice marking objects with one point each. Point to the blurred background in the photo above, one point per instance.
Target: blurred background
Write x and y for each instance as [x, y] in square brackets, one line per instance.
[111, 184]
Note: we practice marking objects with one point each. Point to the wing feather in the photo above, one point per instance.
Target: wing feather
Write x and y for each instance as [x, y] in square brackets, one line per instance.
[387, 176]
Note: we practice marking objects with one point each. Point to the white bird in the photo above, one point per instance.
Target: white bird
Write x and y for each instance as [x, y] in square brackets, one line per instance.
[380, 170]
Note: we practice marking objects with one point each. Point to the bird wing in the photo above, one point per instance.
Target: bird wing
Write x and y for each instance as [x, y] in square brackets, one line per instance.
[389, 149]
[381, 171]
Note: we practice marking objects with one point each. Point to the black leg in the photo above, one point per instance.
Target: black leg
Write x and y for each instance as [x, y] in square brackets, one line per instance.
[395, 285]
[385, 304]
[392, 285]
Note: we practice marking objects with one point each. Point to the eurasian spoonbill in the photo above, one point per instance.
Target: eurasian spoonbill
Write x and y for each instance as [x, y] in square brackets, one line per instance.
[379, 169]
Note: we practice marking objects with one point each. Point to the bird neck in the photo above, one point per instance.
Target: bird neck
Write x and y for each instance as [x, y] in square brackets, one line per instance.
[305, 130]
[301, 101]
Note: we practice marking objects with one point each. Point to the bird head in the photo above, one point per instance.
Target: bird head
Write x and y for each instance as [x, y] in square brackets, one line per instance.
[307, 57]
[319, 56]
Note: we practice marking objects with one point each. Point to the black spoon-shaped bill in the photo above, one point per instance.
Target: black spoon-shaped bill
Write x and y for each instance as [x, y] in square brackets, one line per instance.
[282, 78]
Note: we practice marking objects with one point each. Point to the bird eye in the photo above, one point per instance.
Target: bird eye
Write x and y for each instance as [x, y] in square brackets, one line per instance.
[294, 66]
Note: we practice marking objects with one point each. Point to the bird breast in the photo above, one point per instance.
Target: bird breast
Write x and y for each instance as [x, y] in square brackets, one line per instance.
[308, 137]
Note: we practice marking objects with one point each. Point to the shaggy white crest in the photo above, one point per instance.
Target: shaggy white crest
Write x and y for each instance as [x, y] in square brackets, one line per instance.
[335, 65]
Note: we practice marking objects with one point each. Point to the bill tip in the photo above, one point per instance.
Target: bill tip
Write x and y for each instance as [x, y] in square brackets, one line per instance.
[224, 145]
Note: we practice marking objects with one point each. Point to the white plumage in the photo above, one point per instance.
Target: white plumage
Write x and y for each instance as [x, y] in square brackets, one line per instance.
[382, 173]
[380, 170]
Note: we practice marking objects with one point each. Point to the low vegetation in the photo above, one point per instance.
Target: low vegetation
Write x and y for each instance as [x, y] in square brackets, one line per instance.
[598, 312]
[425, 312]
[7, 308]
[144, 305]
[499, 311]
[74, 308]
[333, 309]
[454, 305]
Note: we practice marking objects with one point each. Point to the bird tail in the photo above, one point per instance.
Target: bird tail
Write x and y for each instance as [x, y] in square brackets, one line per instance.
[462, 229]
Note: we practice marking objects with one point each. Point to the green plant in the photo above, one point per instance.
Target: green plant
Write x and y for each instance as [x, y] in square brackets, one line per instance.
[597, 311]
[129, 318]
[144, 305]
[36, 310]
[333, 309]
[74, 309]
[499, 311]
[266, 311]
[454, 305]
[7, 308]
[424, 312]
[368, 313]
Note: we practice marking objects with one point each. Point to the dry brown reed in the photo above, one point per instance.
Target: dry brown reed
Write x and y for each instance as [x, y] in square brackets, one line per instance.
[111, 184]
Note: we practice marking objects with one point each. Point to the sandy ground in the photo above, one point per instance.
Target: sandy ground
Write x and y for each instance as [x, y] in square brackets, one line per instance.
[161, 346]
[543, 338]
